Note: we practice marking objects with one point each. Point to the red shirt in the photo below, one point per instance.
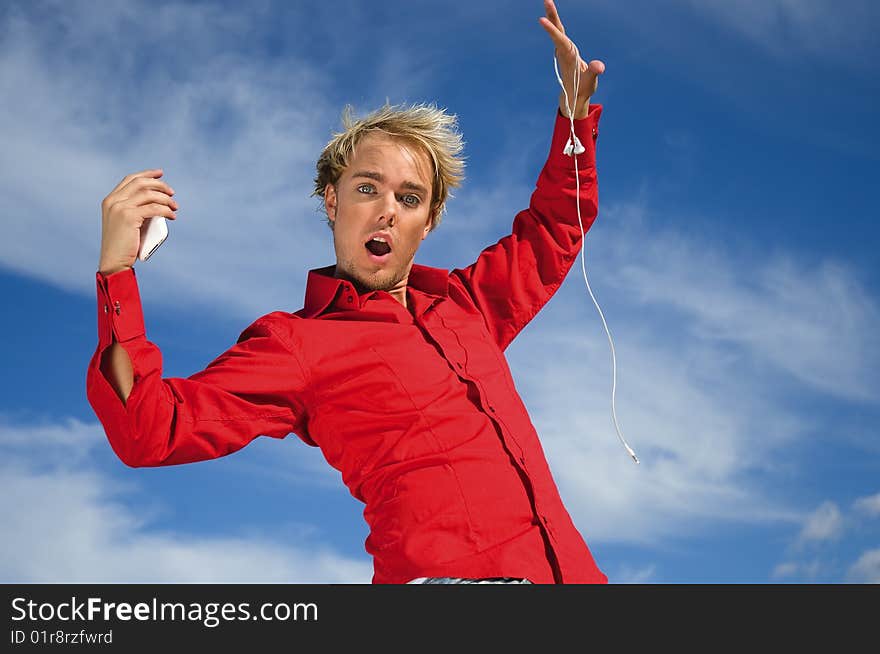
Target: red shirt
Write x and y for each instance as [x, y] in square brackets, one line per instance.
[416, 406]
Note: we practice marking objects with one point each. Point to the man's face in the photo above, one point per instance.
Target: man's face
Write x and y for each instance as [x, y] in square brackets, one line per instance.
[383, 195]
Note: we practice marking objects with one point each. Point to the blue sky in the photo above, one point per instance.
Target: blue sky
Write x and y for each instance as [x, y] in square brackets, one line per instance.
[734, 256]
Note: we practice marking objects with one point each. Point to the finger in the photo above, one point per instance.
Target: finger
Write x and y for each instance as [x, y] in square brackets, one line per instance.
[150, 210]
[151, 197]
[561, 41]
[147, 182]
[553, 15]
[593, 69]
[151, 172]
[139, 184]
[596, 66]
[590, 77]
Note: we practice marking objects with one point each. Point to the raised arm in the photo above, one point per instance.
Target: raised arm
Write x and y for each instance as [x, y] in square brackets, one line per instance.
[513, 279]
[254, 388]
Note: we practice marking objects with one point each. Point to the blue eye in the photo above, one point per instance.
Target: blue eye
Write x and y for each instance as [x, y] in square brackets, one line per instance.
[412, 200]
[369, 188]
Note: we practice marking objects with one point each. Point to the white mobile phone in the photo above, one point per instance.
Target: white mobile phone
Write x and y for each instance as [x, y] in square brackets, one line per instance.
[154, 231]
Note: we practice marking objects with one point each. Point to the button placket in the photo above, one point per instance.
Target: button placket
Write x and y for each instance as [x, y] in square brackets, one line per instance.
[448, 347]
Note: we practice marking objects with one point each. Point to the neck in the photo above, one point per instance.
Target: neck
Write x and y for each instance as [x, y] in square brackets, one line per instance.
[399, 294]
[398, 291]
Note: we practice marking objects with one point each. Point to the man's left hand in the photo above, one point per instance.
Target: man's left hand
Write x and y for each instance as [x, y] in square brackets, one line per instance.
[568, 58]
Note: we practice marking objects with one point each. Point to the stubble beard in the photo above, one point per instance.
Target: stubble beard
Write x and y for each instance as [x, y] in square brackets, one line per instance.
[380, 280]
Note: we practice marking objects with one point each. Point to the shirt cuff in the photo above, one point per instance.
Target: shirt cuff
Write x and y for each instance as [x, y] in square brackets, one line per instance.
[119, 307]
[587, 131]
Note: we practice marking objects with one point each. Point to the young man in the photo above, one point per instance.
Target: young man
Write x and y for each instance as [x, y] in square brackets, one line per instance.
[395, 370]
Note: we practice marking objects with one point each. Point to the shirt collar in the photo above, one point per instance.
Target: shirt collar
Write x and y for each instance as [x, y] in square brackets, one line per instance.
[322, 287]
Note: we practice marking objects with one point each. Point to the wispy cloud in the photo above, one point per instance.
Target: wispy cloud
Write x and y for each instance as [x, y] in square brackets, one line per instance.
[630, 575]
[236, 135]
[825, 523]
[867, 568]
[787, 30]
[813, 320]
[826, 534]
[793, 28]
[707, 357]
[784, 570]
[809, 571]
[65, 521]
[869, 505]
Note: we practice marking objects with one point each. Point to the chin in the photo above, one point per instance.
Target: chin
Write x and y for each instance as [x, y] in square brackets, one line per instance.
[380, 280]
[372, 282]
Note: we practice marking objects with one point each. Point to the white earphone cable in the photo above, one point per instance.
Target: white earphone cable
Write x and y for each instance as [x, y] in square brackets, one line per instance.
[573, 148]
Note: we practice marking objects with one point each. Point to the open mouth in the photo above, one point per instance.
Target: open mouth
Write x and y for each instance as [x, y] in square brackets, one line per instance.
[378, 246]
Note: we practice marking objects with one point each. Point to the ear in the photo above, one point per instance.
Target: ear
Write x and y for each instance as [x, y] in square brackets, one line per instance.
[330, 202]
[428, 226]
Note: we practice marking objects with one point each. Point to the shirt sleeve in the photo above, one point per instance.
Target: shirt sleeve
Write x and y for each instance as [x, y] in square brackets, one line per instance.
[514, 278]
[257, 387]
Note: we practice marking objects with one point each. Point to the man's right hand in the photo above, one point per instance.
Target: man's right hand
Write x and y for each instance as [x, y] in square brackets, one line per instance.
[137, 197]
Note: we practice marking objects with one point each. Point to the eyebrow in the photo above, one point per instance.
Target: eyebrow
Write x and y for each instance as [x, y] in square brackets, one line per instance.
[379, 177]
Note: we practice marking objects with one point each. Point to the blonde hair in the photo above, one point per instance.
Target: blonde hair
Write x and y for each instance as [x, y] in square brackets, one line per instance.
[422, 125]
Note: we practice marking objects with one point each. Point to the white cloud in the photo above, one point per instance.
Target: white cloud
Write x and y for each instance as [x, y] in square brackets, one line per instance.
[237, 133]
[237, 136]
[66, 522]
[808, 571]
[825, 523]
[629, 575]
[698, 454]
[790, 28]
[828, 523]
[867, 568]
[707, 359]
[869, 505]
[813, 320]
[784, 570]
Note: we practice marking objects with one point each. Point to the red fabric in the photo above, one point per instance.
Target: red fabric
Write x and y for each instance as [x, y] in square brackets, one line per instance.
[416, 406]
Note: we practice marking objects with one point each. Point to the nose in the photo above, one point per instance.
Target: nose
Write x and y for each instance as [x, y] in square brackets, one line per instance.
[389, 209]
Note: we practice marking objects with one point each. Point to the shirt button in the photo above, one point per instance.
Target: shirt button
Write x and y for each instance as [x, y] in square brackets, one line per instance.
[117, 308]
[350, 299]
[106, 308]
[492, 409]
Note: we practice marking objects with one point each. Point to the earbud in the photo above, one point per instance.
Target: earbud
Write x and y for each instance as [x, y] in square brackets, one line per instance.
[577, 147]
